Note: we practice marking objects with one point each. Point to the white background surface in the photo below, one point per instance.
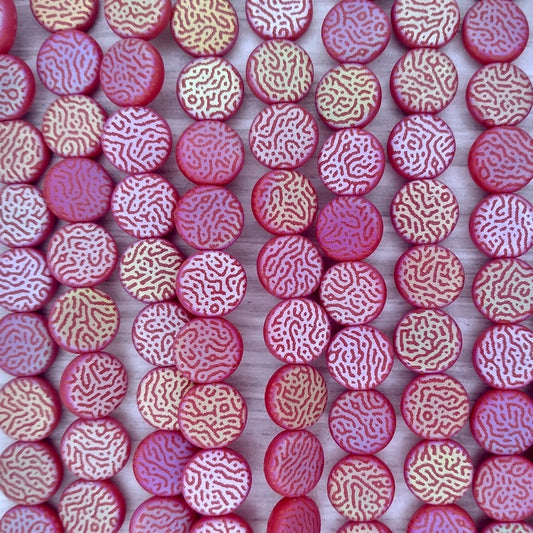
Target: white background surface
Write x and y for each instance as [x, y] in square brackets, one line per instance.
[258, 364]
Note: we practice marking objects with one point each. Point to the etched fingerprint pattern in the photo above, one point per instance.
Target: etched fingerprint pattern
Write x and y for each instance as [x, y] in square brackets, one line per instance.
[421, 146]
[508, 527]
[355, 31]
[422, 23]
[438, 471]
[502, 356]
[207, 350]
[348, 96]
[501, 225]
[70, 14]
[279, 19]
[297, 330]
[159, 395]
[24, 518]
[424, 211]
[364, 527]
[162, 513]
[73, 125]
[24, 216]
[68, 62]
[360, 487]
[351, 162]
[435, 406]
[360, 357]
[352, 292]
[296, 396]
[216, 481]
[295, 514]
[224, 524]
[17, 87]
[293, 463]
[503, 290]
[279, 71]
[499, 94]
[154, 329]
[362, 422]
[136, 140]
[23, 152]
[159, 461]
[283, 136]
[95, 449]
[441, 517]
[204, 27]
[150, 17]
[424, 80]
[501, 159]
[84, 320]
[30, 473]
[143, 205]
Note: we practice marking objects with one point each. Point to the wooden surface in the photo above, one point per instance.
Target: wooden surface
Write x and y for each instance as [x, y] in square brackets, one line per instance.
[258, 364]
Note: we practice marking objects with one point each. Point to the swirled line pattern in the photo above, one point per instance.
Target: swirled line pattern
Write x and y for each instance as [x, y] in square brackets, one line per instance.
[297, 330]
[42, 517]
[283, 136]
[501, 225]
[433, 518]
[293, 463]
[424, 80]
[159, 395]
[435, 406]
[508, 527]
[502, 290]
[360, 487]
[68, 62]
[360, 357]
[499, 94]
[424, 212]
[70, 14]
[421, 146]
[207, 350]
[162, 513]
[210, 88]
[154, 329]
[229, 523]
[502, 356]
[501, 159]
[83, 320]
[362, 422]
[26, 283]
[354, 31]
[17, 87]
[136, 140]
[364, 527]
[353, 292]
[143, 205]
[216, 481]
[296, 396]
[351, 162]
[93, 385]
[23, 153]
[204, 27]
[295, 514]
[159, 460]
[420, 23]
[30, 472]
[348, 96]
[137, 18]
[211, 283]
[25, 219]
[279, 70]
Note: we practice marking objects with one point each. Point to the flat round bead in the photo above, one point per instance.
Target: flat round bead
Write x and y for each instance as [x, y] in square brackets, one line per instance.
[17, 87]
[364, 527]
[68, 15]
[507, 527]
[165, 514]
[433, 518]
[228, 523]
[8, 25]
[26, 517]
[293, 514]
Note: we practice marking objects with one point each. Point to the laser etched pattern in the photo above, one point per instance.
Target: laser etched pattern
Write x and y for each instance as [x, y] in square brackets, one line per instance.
[24, 154]
[421, 146]
[229, 523]
[508, 527]
[25, 517]
[499, 94]
[360, 487]
[424, 80]
[296, 330]
[360, 357]
[283, 136]
[502, 356]
[501, 159]
[351, 162]
[355, 31]
[433, 519]
[165, 514]
[17, 87]
[70, 14]
[364, 527]
[294, 514]
[216, 481]
[279, 70]
[296, 396]
[502, 290]
[93, 385]
[25, 219]
[136, 140]
[348, 96]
